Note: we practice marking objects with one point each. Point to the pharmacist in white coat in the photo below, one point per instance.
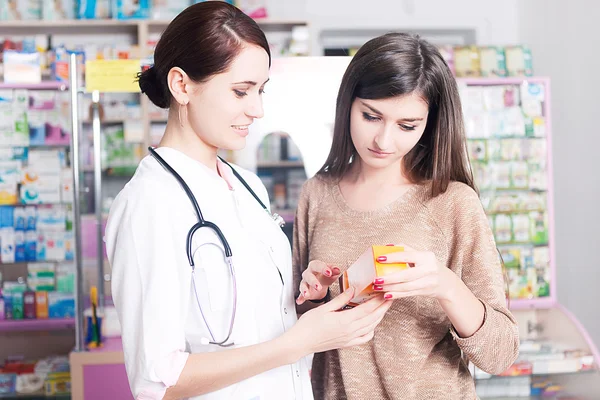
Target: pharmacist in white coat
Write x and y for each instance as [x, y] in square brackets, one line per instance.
[227, 330]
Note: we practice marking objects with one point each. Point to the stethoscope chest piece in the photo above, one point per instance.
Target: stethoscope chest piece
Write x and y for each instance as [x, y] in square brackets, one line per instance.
[278, 220]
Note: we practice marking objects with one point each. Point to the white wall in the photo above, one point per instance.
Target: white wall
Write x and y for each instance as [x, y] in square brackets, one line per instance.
[491, 25]
[564, 41]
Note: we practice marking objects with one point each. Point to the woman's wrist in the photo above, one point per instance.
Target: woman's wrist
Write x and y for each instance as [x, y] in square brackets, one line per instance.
[325, 299]
[450, 287]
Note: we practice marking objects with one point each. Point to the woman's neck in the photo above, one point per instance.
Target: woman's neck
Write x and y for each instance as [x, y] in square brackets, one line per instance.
[185, 140]
[361, 173]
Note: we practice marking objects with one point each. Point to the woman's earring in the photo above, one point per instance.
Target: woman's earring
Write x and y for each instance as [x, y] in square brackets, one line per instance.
[179, 113]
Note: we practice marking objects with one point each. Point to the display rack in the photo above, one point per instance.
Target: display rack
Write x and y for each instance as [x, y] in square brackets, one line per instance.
[557, 355]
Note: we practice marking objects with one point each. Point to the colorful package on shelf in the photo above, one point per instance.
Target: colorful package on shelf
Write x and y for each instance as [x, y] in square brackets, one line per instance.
[511, 257]
[19, 153]
[65, 278]
[492, 62]
[14, 129]
[60, 64]
[518, 61]
[519, 175]
[10, 176]
[20, 10]
[253, 8]
[539, 228]
[22, 67]
[447, 53]
[61, 305]
[8, 382]
[56, 10]
[131, 9]
[166, 10]
[467, 61]
[41, 276]
[94, 9]
[41, 188]
[503, 228]
[521, 228]
[58, 383]
[116, 152]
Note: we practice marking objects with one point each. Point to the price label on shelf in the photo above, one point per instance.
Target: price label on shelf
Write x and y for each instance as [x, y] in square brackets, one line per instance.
[112, 75]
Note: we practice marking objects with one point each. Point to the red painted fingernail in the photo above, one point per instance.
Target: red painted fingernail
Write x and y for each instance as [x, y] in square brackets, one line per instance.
[382, 258]
[327, 272]
[336, 270]
[387, 296]
[317, 287]
[379, 281]
[305, 294]
[377, 287]
[391, 244]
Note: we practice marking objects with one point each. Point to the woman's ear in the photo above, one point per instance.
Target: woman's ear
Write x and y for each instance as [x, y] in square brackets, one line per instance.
[177, 81]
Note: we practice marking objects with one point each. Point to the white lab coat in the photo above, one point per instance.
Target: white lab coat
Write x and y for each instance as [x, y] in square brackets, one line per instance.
[152, 282]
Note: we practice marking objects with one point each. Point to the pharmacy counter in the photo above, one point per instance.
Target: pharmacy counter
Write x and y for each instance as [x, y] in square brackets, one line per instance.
[99, 374]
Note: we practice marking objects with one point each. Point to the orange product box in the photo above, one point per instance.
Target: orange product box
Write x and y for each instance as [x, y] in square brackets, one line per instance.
[363, 272]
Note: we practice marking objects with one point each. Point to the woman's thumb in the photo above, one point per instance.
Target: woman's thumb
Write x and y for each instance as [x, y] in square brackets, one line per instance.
[340, 301]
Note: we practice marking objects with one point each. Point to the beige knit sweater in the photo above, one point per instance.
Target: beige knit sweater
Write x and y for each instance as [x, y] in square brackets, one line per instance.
[415, 354]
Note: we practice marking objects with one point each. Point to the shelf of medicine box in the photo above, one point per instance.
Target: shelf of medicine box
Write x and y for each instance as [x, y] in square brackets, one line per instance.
[44, 85]
[32, 396]
[263, 22]
[50, 324]
[90, 24]
[488, 377]
[25, 263]
[125, 172]
[512, 80]
[281, 164]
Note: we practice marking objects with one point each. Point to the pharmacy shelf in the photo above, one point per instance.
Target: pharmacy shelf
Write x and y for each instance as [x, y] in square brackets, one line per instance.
[280, 164]
[32, 396]
[259, 21]
[580, 372]
[51, 324]
[94, 23]
[44, 85]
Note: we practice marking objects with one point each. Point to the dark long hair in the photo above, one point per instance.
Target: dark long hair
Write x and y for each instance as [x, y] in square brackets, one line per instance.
[203, 40]
[398, 64]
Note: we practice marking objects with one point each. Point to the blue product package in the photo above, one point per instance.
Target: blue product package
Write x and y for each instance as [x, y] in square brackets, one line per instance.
[8, 305]
[8, 383]
[20, 218]
[7, 217]
[61, 305]
[30, 246]
[20, 255]
[131, 9]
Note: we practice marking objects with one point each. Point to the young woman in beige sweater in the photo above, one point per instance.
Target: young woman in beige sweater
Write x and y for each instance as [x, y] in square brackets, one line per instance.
[398, 173]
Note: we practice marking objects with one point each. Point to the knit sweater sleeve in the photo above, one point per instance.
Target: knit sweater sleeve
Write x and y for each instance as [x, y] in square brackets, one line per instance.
[474, 257]
[305, 213]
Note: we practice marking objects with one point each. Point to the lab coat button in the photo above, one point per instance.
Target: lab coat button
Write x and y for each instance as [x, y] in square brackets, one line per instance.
[285, 310]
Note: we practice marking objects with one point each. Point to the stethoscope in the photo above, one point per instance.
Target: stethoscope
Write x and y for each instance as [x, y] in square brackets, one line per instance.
[202, 223]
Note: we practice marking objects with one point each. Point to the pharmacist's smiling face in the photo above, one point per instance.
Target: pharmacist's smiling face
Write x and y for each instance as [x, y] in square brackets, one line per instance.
[222, 108]
[383, 131]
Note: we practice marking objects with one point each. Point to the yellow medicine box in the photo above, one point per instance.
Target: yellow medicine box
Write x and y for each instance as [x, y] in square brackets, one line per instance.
[363, 272]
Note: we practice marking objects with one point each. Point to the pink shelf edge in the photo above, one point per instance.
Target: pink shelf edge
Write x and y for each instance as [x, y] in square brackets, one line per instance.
[532, 304]
[36, 324]
[583, 332]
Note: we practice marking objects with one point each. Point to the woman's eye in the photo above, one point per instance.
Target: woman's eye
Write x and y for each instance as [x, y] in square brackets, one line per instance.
[407, 127]
[239, 93]
[369, 117]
